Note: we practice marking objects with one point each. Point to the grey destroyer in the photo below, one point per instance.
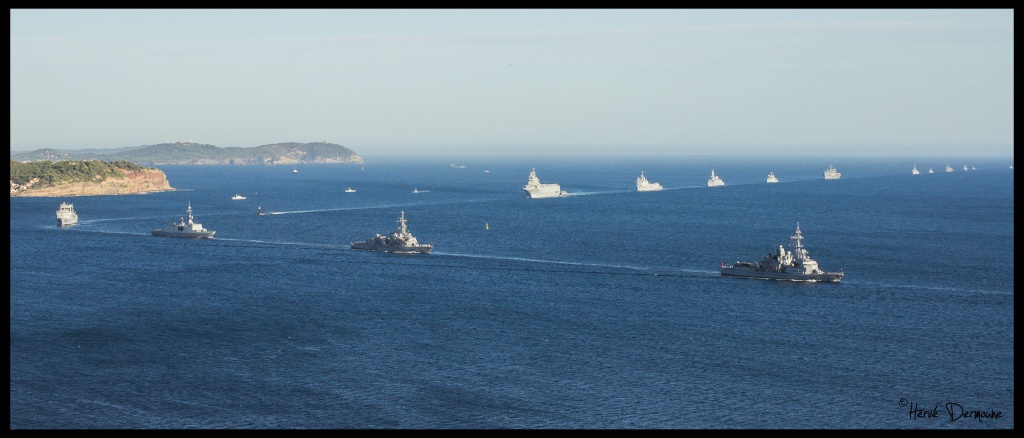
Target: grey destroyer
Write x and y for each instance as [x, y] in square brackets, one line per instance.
[185, 228]
[793, 265]
[66, 215]
[535, 189]
[399, 241]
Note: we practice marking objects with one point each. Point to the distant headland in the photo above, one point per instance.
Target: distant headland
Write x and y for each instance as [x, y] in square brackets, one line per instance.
[187, 152]
[84, 178]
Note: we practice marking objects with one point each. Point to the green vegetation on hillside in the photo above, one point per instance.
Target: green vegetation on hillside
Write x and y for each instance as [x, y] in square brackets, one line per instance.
[62, 172]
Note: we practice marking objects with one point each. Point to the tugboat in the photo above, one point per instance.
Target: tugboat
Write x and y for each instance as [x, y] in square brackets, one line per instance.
[642, 185]
[183, 228]
[793, 265]
[66, 215]
[400, 241]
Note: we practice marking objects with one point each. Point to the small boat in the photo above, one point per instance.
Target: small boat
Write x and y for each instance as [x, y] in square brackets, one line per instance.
[350, 190]
[914, 171]
[972, 168]
[965, 167]
[772, 178]
[295, 170]
[486, 227]
[415, 190]
[715, 180]
[930, 170]
[183, 228]
[948, 169]
[831, 173]
[487, 171]
[238, 197]
[260, 212]
[66, 215]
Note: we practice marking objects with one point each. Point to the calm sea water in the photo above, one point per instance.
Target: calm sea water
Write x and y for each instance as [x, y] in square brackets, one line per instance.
[603, 309]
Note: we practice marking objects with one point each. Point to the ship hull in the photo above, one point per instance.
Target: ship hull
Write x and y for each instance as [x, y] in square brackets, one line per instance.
[545, 192]
[66, 222]
[419, 249]
[185, 234]
[826, 277]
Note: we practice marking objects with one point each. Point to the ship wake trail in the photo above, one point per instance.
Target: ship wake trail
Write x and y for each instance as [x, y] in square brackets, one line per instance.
[629, 269]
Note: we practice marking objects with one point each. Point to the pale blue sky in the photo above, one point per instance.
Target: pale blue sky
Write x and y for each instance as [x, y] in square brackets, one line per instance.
[519, 81]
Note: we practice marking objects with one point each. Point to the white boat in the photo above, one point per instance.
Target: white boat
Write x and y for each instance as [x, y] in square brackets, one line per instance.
[930, 170]
[948, 169]
[350, 190]
[238, 197]
[831, 173]
[295, 170]
[772, 178]
[66, 215]
[915, 171]
[642, 185]
[185, 228]
[715, 180]
[972, 168]
[415, 190]
[535, 189]
[965, 167]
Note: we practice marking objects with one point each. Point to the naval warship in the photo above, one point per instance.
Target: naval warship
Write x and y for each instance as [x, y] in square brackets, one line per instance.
[793, 265]
[185, 228]
[66, 215]
[400, 241]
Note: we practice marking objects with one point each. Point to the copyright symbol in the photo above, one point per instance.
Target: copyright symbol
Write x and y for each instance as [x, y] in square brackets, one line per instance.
[903, 402]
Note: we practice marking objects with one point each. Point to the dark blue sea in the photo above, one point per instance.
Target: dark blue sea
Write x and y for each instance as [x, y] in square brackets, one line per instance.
[603, 309]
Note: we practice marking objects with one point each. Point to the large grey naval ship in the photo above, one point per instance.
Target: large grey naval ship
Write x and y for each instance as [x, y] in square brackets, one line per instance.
[535, 189]
[66, 215]
[400, 241]
[793, 265]
[185, 228]
[643, 185]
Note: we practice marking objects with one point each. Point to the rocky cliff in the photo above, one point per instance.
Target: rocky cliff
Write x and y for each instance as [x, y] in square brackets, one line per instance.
[134, 182]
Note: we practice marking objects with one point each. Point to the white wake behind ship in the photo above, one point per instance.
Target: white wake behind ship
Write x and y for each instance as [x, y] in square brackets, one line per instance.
[535, 189]
[185, 228]
[831, 173]
[642, 185]
[715, 180]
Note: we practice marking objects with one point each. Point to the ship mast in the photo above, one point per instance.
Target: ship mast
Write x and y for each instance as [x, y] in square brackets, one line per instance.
[402, 230]
[798, 249]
